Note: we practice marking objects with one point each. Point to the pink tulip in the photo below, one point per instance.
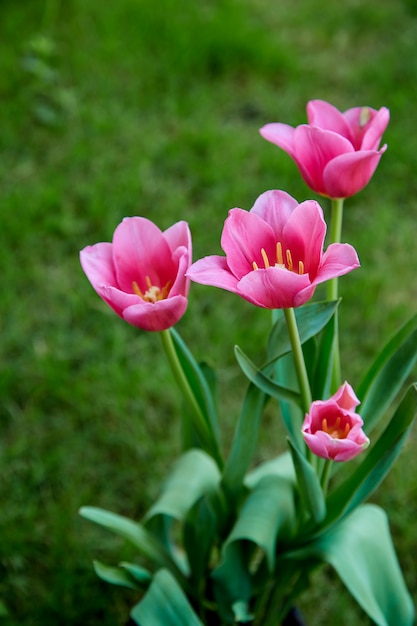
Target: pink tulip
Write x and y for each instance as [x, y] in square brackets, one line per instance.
[332, 429]
[336, 153]
[274, 253]
[141, 274]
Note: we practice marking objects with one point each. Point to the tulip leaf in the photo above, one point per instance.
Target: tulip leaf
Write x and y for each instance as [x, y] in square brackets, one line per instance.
[377, 462]
[199, 533]
[245, 440]
[264, 382]
[311, 319]
[194, 475]
[387, 374]
[196, 376]
[144, 541]
[164, 603]
[360, 549]
[141, 575]
[282, 466]
[114, 575]
[322, 378]
[285, 374]
[310, 489]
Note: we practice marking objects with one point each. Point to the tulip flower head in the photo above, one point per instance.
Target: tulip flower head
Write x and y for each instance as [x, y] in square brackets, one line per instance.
[274, 253]
[337, 153]
[141, 274]
[332, 429]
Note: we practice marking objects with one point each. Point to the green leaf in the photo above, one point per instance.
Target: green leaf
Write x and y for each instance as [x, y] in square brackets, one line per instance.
[139, 573]
[114, 575]
[387, 374]
[321, 381]
[261, 380]
[377, 462]
[245, 440]
[199, 534]
[282, 466]
[164, 604]
[311, 319]
[194, 475]
[309, 486]
[136, 534]
[360, 550]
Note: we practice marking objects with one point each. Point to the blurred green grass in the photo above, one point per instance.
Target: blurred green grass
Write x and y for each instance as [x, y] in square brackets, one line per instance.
[144, 108]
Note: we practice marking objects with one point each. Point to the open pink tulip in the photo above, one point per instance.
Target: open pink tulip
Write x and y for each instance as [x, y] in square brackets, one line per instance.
[141, 274]
[274, 253]
[332, 429]
[336, 153]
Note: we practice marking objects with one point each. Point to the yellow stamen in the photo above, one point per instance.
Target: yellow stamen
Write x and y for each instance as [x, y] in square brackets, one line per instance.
[265, 258]
[255, 265]
[289, 260]
[280, 260]
[153, 293]
[137, 291]
[336, 432]
[300, 267]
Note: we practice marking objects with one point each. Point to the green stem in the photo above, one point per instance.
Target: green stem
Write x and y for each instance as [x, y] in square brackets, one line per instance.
[326, 475]
[298, 356]
[199, 420]
[333, 287]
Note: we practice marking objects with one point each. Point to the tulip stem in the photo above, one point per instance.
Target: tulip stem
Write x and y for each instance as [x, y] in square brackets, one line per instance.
[333, 287]
[298, 356]
[199, 420]
[326, 474]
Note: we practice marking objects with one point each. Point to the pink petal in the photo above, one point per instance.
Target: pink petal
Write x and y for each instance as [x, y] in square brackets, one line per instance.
[140, 250]
[327, 117]
[178, 235]
[156, 316]
[315, 148]
[376, 129]
[339, 259]
[117, 299]
[275, 207]
[214, 271]
[304, 235]
[367, 136]
[244, 235]
[347, 174]
[346, 398]
[97, 263]
[274, 288]
[280, 134]
[181, 283]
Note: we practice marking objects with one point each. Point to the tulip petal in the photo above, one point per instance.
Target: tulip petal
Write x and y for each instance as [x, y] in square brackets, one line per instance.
[156, 316]
[346, 398]
[304, 235]
[315, 148]
[348, 173]
[140, 250]
[244, 235]
[339, 259]
[275, 207]
[178, 236]
[274, 288]
[328, 117]
[280, 134]
[213, 270]
[97, 263]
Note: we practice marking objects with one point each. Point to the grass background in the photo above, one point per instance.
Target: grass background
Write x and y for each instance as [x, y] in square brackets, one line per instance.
[153, 108]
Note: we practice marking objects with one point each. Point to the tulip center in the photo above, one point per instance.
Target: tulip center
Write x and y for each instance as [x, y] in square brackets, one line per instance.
[153, 293]
[282, 260]
[335, 430]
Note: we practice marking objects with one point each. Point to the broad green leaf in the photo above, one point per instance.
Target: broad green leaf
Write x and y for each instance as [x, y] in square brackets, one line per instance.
[139, 573]
[311, 319]
[321, 381]
[261, 380]
[197, 380]
[361, 551]
[241, 613]
[377, 462]
[309, 486]
[245, 440]
[285, 374]
[194, 475]
[267, 514]
[199, 534]
[146, 543]
[232, 581]
[282, 466]
[387, 374]
[114, 575]
[164, 604]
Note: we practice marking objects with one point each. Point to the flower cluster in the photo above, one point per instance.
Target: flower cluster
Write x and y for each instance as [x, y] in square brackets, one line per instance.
[246, 539]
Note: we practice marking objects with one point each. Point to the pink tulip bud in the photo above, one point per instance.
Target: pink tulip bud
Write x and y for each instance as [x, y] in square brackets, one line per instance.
[141, 274]
[336, 153]
[332, 429]
[274, 253]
